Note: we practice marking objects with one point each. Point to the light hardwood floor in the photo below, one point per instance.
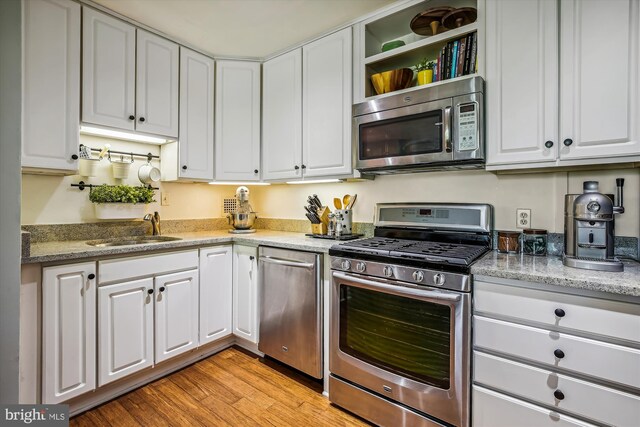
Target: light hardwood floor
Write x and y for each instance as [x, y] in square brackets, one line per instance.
[231, 388]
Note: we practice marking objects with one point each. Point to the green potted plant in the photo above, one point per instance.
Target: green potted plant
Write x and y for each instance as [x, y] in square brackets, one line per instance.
[120, 201]
[424, 69]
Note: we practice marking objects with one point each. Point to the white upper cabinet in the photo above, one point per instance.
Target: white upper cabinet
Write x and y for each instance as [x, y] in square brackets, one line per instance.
[129, 82]
[157, 85]
[237, 122]
[326, 105]
[196, 116]
[215, 293]
[522, 83]
[282, 117]
[108, 70]
[599, 80]
[51, 79]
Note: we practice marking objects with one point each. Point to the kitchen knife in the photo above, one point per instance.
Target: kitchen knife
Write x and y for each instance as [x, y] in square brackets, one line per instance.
[317, 200]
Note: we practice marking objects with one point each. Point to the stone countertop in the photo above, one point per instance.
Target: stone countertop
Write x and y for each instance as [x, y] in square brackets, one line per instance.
[550, 270]
[78, 249]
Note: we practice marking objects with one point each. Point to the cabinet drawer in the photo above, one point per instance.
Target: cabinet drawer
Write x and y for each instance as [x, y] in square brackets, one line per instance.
[601, 404]
[578, 314]
[600, 360]
[491, 409]
[120, 269]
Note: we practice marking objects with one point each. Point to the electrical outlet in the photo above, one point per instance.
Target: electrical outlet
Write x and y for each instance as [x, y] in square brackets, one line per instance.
[523, 218]
[165, 199]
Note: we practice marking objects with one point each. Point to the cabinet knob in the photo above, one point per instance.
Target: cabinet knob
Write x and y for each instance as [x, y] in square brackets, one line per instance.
[568, 142]
[558, 353]
[161, 289]
[296, 167]
[149, 291]
[559, 312]
[304, 166]
[74, 157]
[184, 167]
[132, 117]
[91, 276]
[255, 171]
[558, 394]
[548, 144]
[141, 119]
[252, 257]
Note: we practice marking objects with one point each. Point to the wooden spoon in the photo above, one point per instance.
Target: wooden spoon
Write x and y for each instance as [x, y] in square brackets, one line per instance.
[337, 203]
[346, 200]
[353, 201]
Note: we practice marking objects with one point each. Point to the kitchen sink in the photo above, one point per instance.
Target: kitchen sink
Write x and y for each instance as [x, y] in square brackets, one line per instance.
[133, 240]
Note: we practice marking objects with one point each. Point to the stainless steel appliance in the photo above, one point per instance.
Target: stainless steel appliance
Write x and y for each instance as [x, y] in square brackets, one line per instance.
[590, 228]
[437, 127]
[401, 314]
[291, 308]
[243, 218]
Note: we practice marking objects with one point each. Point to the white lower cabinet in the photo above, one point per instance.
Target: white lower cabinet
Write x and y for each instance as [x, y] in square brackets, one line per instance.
[125, 329]
[68, 331]
[176, 314]
[215, 293]
[541, 360]
[245, 293]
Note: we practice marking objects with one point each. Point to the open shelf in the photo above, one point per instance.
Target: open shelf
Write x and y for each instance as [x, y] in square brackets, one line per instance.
[413, 88]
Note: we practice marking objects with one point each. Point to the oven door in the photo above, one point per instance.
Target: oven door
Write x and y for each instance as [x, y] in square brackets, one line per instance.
[405, 136]
[407, 344]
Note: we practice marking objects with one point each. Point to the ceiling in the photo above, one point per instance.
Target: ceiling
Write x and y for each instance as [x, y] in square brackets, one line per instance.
[243, 28]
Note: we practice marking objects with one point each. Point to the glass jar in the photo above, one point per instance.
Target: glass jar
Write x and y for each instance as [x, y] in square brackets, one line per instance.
[534, 242]
[509, 242]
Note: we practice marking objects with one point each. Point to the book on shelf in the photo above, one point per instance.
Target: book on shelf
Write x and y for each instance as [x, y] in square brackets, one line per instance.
[457, 58]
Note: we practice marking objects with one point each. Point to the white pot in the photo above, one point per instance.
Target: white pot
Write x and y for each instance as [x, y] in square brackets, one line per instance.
[120, 210]
[88, 167]
[120, 170]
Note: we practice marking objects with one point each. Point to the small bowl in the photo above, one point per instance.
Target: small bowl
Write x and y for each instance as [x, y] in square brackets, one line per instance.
[392, 45]
[390, 81]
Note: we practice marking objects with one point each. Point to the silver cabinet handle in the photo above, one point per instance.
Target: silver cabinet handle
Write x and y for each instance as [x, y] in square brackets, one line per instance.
[395, 289]
[288, 263]
[447, 129]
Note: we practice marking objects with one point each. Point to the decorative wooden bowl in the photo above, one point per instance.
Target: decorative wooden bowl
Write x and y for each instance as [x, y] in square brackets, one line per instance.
[427, 23]
[459, 17]
[390, 81]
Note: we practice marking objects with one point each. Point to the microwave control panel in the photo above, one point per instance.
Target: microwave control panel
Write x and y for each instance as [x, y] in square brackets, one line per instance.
[468, 127]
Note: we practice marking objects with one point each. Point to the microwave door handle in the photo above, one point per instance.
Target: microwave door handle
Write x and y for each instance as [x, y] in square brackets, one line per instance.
[446, 130]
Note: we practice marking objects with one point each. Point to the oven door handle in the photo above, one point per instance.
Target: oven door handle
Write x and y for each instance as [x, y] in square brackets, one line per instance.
[397, 289]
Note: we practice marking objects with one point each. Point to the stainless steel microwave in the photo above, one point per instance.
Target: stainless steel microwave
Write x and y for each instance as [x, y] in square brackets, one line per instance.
[438, 127]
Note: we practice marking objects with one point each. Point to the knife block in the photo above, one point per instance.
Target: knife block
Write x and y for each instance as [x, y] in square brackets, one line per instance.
[319, 228]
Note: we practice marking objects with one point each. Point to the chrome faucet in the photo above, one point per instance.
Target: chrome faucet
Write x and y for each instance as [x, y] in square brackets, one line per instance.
[155, 222]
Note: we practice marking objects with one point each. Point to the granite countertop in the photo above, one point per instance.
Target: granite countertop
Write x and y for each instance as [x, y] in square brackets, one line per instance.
[550, 270]
[78, 249]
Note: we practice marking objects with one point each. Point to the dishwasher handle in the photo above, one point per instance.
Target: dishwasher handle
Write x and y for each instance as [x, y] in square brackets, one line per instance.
[287, 262]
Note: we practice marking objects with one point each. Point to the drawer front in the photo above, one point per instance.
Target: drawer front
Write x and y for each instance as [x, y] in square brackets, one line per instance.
[121, 269]
[576, 314]
[491, 409]
[600, 360]
[601, 404]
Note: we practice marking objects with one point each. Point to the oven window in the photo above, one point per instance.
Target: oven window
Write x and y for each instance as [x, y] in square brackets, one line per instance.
[402, 136]
[406, 336]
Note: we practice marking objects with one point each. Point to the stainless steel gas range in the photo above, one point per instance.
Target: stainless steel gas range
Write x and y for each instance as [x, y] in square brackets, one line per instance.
[401, 314]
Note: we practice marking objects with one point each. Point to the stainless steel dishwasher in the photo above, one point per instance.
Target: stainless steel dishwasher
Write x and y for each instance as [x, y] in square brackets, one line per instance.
[291, 308]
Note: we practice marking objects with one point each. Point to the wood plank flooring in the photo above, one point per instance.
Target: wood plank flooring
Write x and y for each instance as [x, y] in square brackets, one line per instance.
[231, 388]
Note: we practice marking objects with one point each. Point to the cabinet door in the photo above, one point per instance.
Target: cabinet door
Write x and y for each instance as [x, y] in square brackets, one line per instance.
[238, 121]
[51, 91]
[125, 329]
[245, 293]
[157, 85]
[326, 105]
[522, 81]
[600, 96]
[216, 284]
[108, 70]
[282, 117]
[196, 116]
[69, 331]
[176, 317]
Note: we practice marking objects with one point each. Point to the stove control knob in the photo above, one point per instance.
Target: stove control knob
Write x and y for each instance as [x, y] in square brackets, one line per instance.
[345, 264]
[360, 267]
[593, 207]
[418, 276]
[438, 279]
[387, 271]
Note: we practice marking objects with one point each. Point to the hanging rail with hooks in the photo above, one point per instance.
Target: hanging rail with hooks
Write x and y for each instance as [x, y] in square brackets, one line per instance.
[82, 185]
[147, 156]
